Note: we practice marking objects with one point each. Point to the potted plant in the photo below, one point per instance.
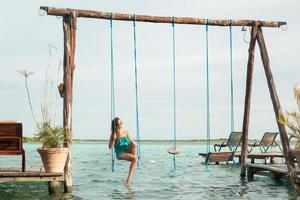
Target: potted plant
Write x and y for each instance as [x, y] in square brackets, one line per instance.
[292, 121]
[52, 152]
[50, 135]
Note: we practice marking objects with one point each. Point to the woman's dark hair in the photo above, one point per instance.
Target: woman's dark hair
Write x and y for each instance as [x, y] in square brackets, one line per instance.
[114, 124]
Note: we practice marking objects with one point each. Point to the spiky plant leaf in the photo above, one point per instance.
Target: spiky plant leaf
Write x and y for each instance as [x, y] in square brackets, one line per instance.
[50, 136]
[292, 119]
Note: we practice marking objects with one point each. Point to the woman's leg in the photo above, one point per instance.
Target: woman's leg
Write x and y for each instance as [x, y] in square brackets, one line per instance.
[132, 149]
[133, 159]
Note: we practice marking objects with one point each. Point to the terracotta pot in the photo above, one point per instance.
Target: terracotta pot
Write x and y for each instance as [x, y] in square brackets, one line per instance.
[54, 159]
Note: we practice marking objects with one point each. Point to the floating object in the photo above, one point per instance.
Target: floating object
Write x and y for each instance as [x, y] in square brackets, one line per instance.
[172, 150]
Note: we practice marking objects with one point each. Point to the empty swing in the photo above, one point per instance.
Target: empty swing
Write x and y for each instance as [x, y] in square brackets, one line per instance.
[138, 139]
[174, 149]
[219, 156]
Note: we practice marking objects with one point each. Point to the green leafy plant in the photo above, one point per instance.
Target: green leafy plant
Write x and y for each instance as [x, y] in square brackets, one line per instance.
[292, 119]
[50, 136]
[48, 133]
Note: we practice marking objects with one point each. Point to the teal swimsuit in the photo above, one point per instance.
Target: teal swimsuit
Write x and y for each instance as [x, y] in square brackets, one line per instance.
[122, 145]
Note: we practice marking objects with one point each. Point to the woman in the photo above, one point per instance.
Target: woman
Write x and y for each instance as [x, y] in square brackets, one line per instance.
[124, 144]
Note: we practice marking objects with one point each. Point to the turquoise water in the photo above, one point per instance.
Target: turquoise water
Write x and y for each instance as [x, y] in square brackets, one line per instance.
[155, 179]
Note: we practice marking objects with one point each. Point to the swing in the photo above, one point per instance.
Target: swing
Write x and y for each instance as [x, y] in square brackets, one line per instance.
[112, 90]
[218, 156]
[138, 139]
[174, 149]
[113, 112]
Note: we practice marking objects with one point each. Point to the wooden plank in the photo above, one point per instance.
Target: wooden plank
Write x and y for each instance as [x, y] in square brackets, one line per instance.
[248, 98]
[11, 129]
[275, 100]
[157, 19]
[263, 173]
[69, 27]
[29, 174]
[30, 179]
[262, 155]
[275, 168]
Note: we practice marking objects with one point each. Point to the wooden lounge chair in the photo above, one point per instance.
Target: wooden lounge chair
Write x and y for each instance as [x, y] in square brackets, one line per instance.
[267, 141]
[232, 143]
[11, 140]
[293, 141]
[217, 157]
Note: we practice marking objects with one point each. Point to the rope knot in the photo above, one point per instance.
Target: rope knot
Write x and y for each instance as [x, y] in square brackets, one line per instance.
[134, 19]
[173, 21]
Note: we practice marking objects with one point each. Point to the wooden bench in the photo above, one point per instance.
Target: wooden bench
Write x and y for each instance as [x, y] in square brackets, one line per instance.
[11, 140]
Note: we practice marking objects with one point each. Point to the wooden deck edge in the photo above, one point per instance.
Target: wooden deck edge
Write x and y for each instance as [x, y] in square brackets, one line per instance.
[31, 176]
[32, 179]
[263, 167]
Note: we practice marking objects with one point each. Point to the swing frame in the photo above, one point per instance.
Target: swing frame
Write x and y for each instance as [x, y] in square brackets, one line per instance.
[69, 28]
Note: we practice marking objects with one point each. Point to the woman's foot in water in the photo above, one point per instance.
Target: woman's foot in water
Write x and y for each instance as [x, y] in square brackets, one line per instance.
[127, 183]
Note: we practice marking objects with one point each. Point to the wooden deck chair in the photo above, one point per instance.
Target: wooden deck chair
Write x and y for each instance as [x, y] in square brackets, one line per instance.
[233, 142]
[217, 157]
[11, 140]
[267, 141]
[293, 141]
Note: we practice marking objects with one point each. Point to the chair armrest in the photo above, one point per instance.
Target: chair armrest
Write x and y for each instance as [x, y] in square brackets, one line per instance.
[255, 144]
[221, 143]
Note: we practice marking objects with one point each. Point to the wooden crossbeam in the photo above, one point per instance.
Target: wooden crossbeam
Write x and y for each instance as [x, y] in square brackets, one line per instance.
[157, 19]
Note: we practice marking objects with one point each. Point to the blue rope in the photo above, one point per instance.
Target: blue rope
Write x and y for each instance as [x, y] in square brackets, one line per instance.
[207, 97]
[231, 79]
[136, 94]
[113, 109]
[231, 90]
[174, 92]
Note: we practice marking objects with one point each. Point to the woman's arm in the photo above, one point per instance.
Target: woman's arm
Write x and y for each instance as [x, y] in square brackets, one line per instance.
[112, 140]
[130, 138]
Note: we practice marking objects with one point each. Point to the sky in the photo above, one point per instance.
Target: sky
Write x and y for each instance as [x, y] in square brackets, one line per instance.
[26, 34]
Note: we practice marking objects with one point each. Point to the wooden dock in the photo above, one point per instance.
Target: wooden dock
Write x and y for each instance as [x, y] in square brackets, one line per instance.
[33, 175]
[261, 156]
[274, 171]
[217, 157]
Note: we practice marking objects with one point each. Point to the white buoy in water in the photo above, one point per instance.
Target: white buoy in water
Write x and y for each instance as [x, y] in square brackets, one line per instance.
[172, 150]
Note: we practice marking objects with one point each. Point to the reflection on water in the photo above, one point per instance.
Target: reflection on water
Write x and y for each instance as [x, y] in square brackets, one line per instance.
[243, 187]
[30, 191]
[124, 193]
[156, 179]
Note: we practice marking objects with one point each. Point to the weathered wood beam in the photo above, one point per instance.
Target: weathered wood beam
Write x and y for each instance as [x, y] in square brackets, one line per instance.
[69, 27]
[54, 187]
[157, 19]
[275, 100]
[251, 53]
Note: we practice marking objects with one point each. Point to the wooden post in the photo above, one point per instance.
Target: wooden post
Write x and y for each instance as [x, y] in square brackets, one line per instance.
[275, 100]
[54, 187]
[251, 52]
[69, 27]
[250, 174]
